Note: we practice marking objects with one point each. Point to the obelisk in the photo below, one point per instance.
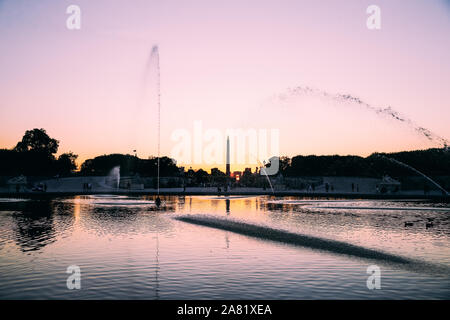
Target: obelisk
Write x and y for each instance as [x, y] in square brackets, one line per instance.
[227, 172]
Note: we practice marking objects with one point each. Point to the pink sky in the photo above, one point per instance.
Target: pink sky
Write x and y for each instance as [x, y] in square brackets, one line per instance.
[221, 62]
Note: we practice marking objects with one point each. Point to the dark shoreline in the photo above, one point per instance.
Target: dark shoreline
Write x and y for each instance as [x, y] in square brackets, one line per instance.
[442, 198]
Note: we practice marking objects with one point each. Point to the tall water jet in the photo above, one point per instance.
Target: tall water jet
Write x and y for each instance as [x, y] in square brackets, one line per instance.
[155, 56]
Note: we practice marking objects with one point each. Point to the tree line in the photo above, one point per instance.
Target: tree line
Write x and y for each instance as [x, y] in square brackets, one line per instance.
[433, 162]
[34, 155]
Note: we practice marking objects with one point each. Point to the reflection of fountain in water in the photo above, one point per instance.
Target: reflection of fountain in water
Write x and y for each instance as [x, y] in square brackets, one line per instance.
[114, 175]
[418, 172]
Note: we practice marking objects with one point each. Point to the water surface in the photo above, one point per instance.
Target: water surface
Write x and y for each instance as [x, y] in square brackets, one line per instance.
[128, 249]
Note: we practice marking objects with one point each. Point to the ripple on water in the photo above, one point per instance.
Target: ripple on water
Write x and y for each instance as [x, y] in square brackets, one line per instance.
[137, 251]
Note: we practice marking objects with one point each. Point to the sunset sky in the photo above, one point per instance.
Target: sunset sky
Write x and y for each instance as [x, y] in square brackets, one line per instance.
[224, 63]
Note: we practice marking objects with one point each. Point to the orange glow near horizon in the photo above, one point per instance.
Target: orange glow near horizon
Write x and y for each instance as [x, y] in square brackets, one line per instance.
[94, 89]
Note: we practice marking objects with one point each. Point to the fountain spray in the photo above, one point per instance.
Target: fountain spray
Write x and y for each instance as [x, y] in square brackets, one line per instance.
[387, 112]
[416, 171]
[155, 55]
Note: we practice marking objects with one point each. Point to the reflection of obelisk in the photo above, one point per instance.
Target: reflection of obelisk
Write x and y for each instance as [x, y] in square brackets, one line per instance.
[228, 158]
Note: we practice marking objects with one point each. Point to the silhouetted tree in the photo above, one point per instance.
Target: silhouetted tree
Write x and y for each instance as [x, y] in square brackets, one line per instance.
[32, 156]
[102, 165]
[66, 163]
[201, 176]
[247, 179]
[218, 176]
[37, 140]
[285, 165]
